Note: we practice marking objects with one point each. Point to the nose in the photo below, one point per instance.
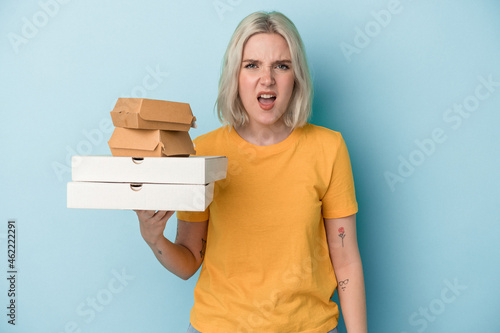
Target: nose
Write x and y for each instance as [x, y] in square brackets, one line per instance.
[267, 77]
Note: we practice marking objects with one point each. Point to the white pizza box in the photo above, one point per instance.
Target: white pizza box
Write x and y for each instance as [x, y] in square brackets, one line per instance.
[169, 170]
[100, 195]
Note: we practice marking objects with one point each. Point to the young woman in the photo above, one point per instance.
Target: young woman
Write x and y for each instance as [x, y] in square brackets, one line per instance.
[280, 234]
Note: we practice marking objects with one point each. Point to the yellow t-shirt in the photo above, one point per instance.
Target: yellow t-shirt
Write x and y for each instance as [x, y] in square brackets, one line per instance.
[267, 266]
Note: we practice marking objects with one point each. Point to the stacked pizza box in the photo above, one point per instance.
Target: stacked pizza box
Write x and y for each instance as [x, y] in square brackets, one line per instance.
[151, 167]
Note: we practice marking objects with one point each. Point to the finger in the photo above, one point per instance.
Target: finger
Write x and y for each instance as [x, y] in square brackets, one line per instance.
[162, 214]
[169, 214]
[145, 214]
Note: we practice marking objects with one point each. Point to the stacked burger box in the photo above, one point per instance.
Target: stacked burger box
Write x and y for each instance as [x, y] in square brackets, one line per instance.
[151, 167]
[148, 127]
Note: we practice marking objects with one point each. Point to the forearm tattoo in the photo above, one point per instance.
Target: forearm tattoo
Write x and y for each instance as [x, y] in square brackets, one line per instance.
[203, 248]
[343, 284]
[342, 234]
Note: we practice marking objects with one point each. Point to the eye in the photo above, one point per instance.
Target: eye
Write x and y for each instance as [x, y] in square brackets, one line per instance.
[283, 67]
[251, 66]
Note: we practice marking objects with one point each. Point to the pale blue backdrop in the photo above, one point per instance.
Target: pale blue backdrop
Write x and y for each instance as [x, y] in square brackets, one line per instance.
[414, 86]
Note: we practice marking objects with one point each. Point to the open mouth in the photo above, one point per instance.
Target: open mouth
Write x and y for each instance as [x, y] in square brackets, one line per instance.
[266, 101]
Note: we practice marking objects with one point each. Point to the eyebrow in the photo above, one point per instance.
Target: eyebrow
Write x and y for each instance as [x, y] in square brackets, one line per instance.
[277, 61]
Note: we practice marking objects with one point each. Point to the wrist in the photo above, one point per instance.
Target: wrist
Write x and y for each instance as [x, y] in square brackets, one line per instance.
[155, 242]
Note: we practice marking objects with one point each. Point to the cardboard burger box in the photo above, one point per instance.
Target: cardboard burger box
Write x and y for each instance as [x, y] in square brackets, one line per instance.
[142, 113]
[150, 143]
[149, 183]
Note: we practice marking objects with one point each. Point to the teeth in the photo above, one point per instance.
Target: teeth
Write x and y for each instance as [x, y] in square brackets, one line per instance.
[267, 96]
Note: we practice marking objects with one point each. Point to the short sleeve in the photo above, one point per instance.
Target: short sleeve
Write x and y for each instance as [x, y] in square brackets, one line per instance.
[340, 198]
[193, 216]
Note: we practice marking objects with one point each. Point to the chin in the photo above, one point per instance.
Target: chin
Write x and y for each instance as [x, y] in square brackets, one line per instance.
[270, 122]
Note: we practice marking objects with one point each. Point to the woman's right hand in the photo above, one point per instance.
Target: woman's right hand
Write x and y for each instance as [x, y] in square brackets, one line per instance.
[152, 224]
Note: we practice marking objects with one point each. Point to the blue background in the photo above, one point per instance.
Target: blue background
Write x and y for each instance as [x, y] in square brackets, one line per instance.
[64, 64]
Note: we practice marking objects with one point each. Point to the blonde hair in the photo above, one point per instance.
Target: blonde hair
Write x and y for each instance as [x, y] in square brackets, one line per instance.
[230, 109]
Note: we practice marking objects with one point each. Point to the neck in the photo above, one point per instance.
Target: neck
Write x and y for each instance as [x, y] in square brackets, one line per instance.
[264, 135]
